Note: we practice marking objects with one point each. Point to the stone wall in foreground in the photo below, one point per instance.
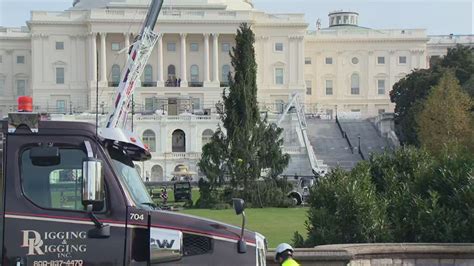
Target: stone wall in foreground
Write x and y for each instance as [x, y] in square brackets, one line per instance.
[396, 254]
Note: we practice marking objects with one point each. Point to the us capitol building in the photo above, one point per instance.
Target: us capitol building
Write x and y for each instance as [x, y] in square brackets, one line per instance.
[61, 57]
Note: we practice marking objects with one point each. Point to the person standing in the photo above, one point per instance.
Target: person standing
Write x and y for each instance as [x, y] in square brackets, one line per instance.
[284, 255]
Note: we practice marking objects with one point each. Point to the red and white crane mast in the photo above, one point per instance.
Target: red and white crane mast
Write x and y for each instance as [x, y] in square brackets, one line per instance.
[138, 56]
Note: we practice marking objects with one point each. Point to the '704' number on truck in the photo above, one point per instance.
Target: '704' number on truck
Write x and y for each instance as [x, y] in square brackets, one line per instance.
[137, 217]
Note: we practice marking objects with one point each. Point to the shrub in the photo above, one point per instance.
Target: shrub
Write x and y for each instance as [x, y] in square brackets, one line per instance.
[221, 206]
[345, 209]
[408, 196]
[265, 193]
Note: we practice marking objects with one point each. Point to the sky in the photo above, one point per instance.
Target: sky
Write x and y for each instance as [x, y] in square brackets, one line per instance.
[438, 17]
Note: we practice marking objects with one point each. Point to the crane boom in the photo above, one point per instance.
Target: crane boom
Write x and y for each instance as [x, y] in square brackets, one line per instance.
[138, 56]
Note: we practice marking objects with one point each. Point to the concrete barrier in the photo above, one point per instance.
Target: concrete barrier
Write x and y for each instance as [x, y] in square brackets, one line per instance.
[396, 254]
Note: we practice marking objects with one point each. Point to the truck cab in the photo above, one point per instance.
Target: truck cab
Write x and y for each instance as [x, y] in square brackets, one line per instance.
[70, 195]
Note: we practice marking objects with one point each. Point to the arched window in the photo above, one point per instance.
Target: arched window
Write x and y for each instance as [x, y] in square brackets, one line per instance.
[156, 173]
[171, 71]
[194, 73]
[149, 139]
[355, 80]
[178, 141]
[206, 136]
[148, 74]
[115, 75]
[225, 73]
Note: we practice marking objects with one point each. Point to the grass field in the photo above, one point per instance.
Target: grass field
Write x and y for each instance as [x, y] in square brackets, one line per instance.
[276, 224]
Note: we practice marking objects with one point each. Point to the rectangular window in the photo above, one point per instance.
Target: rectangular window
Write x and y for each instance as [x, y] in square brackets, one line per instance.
[59, 45]
[196, 103]
[58, 186]
[20, 59]
[329, 85]
[1, 59]
[226, 47]
[307, 61]
[402, 60]
[279, 47]
[381, 111]
[309, 89]
[279, 76]
[115, 46]
[60, 75]
[171, 47]
[151, 104]
[194, 47]
[328, 60]
[381, 60]
[355, 91]
[21, 87]
[2, 87]
[61, 106]
[381, 86]
[355, 110]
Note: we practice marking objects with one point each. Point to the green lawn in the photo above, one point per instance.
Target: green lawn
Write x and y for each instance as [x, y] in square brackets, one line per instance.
[276, 224]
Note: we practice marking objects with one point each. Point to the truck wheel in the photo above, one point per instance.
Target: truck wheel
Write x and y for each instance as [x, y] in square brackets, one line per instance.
[297, 198]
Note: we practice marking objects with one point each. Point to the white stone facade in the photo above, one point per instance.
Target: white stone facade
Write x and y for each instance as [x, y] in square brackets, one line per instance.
[350, 69]
[62, 57]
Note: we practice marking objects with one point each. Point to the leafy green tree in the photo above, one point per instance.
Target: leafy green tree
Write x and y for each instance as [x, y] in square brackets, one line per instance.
[410, 92]
[249, 144]
[446, 120]
[406, 196]
[430, 199]
[345, 209]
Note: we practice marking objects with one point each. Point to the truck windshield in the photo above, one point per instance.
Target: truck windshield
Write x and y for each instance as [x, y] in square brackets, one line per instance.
[129, 176]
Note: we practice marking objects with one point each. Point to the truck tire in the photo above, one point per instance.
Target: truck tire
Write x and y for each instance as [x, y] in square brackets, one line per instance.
[295, 196]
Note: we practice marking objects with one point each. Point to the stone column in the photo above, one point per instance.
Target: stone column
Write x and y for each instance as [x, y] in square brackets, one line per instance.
[372, 82]
[103, 59]
[392, 61]
[215, 59]
[126, 36]
[93, 56]
[207, 79]
[300, 61]
[292, 71]
[265, 50]
[184, 81]
[160, 81]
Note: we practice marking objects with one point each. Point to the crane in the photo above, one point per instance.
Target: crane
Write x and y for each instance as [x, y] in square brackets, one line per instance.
[138, 55]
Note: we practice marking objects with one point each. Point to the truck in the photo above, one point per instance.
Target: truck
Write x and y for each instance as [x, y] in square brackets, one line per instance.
[70, 194]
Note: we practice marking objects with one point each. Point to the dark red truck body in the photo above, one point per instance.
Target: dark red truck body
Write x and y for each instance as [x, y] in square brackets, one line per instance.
[54, 232]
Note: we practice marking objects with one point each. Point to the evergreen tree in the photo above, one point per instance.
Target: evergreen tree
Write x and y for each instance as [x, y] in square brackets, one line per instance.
[249, 144]
[241, 117]
[445, 120]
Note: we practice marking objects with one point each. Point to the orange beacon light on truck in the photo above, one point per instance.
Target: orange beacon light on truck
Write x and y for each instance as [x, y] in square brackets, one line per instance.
[25, 104]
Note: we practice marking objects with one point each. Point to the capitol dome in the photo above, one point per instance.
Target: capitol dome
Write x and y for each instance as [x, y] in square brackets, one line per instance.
[228, 4]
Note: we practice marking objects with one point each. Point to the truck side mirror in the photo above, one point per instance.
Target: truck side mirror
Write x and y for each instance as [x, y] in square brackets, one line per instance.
[93, 190]
[45, 156]
[93, 193]
[239, 207]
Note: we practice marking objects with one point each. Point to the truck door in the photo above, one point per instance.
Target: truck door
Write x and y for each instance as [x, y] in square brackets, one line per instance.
[45, 220]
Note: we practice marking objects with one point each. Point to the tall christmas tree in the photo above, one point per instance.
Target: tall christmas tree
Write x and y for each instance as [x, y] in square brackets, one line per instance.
[249, 144]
